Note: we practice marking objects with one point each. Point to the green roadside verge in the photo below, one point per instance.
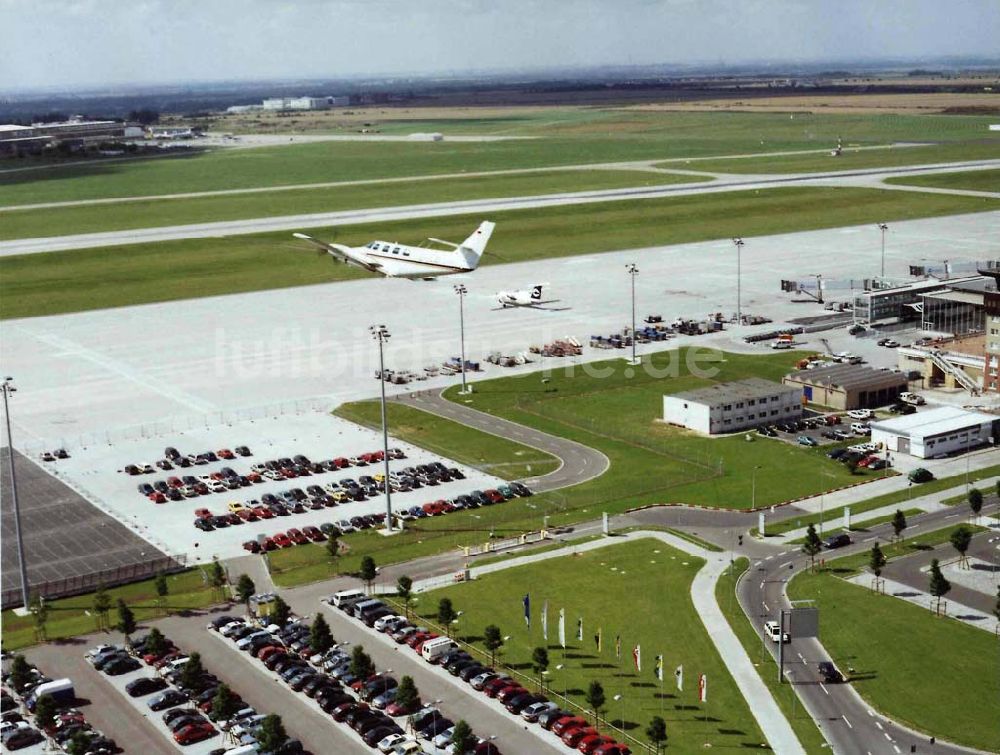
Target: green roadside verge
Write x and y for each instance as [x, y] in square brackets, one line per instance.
[971, 180]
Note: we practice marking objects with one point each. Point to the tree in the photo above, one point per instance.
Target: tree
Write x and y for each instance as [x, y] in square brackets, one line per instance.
[404, 588]
[540, 662]
[361, 663]
[333, 545]
[812, 546]
[368, 572]
[446, 614]
[79, 743]
[144, 116]
[45, 711]
[462, 739]
[156, 643]
[126, 621]
[272, 734]
[217, 577]
[876, 562]
[225, 704]
[493, 641]
[280, 611]
[162, 589]
[596, 699]
[192, 671]
[852, 465]
[40, 613]
[102, 604]
[407, 696]
[657, 732]
[976, 502]
[245, 589]
[939, 585]
[20, 672]
[320, 637]
[961, 539]
[899, 523]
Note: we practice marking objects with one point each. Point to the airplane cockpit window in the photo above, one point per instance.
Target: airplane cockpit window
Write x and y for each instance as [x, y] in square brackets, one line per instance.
[385, 247]
[395, 250]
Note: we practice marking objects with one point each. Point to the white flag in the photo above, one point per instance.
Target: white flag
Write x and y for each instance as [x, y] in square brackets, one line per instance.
[545, 621]
[679, 676]
[562, 627]
[703, 688]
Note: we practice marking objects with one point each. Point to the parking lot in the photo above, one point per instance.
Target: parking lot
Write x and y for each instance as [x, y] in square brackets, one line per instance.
[65, 536]
[170, 525]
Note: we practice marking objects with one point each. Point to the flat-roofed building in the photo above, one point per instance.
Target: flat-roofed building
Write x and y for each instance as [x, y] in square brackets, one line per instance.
[732, 407]
[848, 386]
[937, 432]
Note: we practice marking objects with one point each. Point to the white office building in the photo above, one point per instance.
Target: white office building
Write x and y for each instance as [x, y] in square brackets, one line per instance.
[732, 407]
[936, 432]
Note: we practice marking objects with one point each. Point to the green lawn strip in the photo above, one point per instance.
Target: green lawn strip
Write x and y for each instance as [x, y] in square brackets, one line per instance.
[569, 137]
[598, 586]
[861, 526]
[805, 728]
[914, 491]
[76, 280]
[69, 617]
[987, 148]
[694, 539]
[549, 546]
[973, 180]
[475, 448]
[607, 409]
[963, 498]
[60, 221]
[910, 665]
[894, 549]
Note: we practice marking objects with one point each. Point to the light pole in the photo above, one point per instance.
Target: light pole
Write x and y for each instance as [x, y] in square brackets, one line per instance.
[462, 291]
[883, 228]
[622, 722]
[8, 388]
[381, 334]
[753, 487]
[633, 271]
[738, 243]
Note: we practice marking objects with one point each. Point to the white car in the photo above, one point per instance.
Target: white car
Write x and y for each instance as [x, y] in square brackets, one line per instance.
[244, 642]
[96, 652]
[345, 526]
[332, 487]
[773, 633]
[861, 414]
[533, 711]
[443, 739]
[387, 744]
[384, 623]
[231, 627]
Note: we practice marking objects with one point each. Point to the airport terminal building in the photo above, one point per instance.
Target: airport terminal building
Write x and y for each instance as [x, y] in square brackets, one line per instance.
[732, 407]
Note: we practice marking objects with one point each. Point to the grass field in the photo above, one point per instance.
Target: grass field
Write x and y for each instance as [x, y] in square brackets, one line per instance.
[835, 514]
[652, 462]
[988, 148]
[569, 136]
[69, 617]
[156, 212]
[490, 453]
[863, 525]
[974, 180]
[71, 281]
[660, 619]
[927, 681]
[805, 728]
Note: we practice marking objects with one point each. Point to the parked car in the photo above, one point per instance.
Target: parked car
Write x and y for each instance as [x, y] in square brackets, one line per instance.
[145, 686]
[920, 475]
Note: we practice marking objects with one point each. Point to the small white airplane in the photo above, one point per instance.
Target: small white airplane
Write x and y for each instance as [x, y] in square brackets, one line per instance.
[530, 298]
[395, 260]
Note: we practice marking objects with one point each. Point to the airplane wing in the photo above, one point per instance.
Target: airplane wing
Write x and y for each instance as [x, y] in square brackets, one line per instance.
[343, 253]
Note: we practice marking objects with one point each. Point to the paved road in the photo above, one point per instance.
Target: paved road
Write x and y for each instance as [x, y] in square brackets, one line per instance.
[578, 463]
[847, 721]
[865, 177]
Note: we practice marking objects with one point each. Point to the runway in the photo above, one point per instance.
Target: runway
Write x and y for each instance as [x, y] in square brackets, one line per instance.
[869, 178]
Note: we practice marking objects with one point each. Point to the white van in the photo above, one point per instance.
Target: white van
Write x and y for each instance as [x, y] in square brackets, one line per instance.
[361, 606]
[434, 649]
[861, 414]
[859, 428]
[244, 750]
[773, 633]
[912, 398]
[339, 599]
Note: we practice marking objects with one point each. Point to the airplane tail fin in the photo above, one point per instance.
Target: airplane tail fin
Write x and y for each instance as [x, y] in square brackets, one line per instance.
[473, 247]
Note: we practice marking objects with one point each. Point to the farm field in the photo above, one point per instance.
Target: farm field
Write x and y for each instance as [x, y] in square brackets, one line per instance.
[30, 223]
[660, 619]
[71, 281]
[885, 669]
[573, 136]
[974, 180]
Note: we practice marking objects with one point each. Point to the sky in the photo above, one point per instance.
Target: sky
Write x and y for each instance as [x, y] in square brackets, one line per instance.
[93, 43]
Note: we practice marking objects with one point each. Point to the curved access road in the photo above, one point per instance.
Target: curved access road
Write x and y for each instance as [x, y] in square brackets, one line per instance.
[577, 462]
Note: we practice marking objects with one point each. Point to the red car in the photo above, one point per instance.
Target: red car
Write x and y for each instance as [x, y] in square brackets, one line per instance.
[263, 512]
[150, 659]
[495, 496]
[313, 534]
[573, 737]
[591, 742]
[296, 536]
[494, 691]
[395, 710]
[192, 733]
[175, 482]
[563, 725]
[341, 463]
[203, 513]
[282, 540]
[268, 544]
[508, 693]
[268, 650]
[233, 518]
[247, 515]
[251, 545]
[254, 477]
[157, 497]
[613, 749]
[419, 644]
[225, 453]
